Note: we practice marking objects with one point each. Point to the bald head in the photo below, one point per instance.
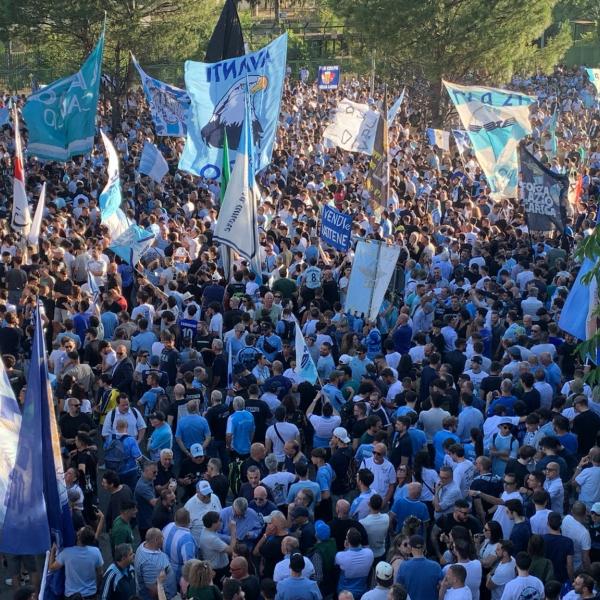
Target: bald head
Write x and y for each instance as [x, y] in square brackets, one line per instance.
[239, 567]
[414, 490]
[260, 492]
[342, 508]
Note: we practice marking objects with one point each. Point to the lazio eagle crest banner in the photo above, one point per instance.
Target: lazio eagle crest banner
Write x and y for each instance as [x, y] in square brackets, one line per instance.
[217, 91]
[495, 120]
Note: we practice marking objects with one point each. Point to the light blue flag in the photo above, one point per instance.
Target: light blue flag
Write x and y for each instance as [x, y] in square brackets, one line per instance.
[439, 138]
[10, 427]
[393, 111]
[305, 365]
[594, 77]
[218, 91]
[169, 105]
[36, 503]
[152, 162]
[61, 117]
[132, 244]
[111, 214]
[4, 116]
[577, 317]
[94, 289]
[462, 140]
[496, 120]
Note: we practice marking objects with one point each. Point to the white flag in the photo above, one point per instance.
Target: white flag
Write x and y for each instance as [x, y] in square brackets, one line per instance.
[21, 217]
[110, 199]
[237, 224]
[34, 235]
[153, 163]
[353, 128]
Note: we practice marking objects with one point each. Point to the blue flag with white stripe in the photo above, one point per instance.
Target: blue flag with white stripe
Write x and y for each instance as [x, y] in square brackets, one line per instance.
[10, 427]
[495, 120]
[4, 116]
[61, 117]
[37, 508]
[305, 365]
[218, 94]
[461, 138]
[439, 138]
[169, 105]
[132, 244]
[110, 198]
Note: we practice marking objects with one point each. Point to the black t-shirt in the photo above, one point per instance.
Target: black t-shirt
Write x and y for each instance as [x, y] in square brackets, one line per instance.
[219, 369]
[69, 426]
[163, 476]
[10, 340]
[195, 471]
[519, 469]
[339, 529]
[176, 410]
[63, 287]
[402, 447]
[359, 428]
[114, 504]
[447, 522]
[251, 587]
[271, 553]
[532, 399]
[262, 414]
[90, 462]
[250, 462]
[168, 363]
[220, 486]
[217, 421]
[488, 484]
[585, 426]
[557, 548]
[340, 461]
[490, 384]
[162, 515]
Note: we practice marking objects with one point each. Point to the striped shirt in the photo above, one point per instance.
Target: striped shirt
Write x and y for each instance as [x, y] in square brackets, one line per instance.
[117, 583]
[179, 546]
[148, 564]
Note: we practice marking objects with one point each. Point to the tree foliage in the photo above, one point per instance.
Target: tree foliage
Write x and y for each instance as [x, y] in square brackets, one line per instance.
[461, 40]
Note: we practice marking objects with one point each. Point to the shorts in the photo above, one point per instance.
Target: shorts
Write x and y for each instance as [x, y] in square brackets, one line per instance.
[18, 562]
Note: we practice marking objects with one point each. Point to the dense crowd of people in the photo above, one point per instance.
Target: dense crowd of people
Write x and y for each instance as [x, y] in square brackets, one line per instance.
[448, 450]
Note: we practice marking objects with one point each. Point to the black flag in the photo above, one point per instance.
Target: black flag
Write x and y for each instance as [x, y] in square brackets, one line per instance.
[227, 40]
[543, 194]
[378, 176]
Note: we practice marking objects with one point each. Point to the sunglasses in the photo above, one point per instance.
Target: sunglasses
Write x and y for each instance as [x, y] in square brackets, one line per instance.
[377, 453]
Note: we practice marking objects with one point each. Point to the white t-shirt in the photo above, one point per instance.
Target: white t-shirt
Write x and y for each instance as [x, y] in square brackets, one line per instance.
[474, 574]
[377, 528]
[504, 573]
[581, 538]
[521, 588]
[279, 484]
[539, 521]
[463, 593]
[501, 514]
[287, 432]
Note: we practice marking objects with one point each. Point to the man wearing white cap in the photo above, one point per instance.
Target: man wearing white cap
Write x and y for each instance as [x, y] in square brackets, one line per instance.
[384, 575]
[198, 505]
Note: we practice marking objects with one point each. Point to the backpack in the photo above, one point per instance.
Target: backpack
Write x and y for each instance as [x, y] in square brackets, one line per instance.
[113, 415]
[513, 439]
[115, 455]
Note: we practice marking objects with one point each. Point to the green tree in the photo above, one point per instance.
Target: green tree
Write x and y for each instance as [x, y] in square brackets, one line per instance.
[65, 31]
[483, 41]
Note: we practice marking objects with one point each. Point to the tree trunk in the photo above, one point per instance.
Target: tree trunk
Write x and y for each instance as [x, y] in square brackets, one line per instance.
[437, 117]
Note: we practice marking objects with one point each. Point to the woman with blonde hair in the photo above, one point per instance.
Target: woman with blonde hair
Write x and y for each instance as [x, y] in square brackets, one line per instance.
[201, 582]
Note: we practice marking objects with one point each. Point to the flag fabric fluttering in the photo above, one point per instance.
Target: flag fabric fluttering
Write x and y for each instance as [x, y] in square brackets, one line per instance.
[353, 127]
[36, 501]
[462, 140]
[152, 162]
[305, 365]
[496, 120]
[169, 105]
[10, 427]
[237, 225]
[61, 117]
[378, 177]
[218, 93]
[229, 367]
[110, 199]
[594, 77]
[395, 108]
[94, 289]
[21, 217]
[577, 315]
[132, 243]
[439, 138]
[225, 251]
[227, 39]
[33, 237]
